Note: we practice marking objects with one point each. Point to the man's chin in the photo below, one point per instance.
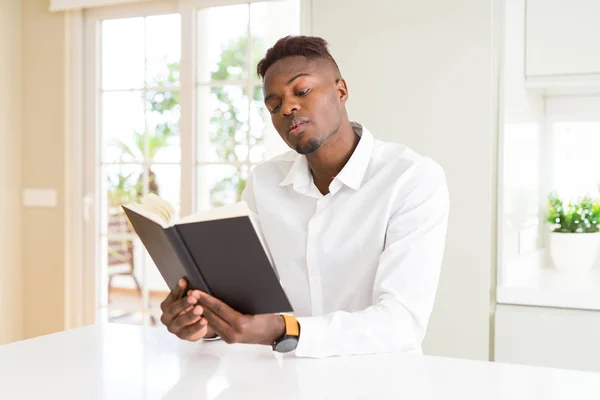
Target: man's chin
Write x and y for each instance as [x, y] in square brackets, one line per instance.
[308, 147]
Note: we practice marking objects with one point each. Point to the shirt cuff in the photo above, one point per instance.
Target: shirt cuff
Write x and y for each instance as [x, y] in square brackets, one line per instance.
[311, 337]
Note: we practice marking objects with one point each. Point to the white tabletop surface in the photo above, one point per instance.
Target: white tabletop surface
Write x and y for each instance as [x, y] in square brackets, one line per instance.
[127, 362]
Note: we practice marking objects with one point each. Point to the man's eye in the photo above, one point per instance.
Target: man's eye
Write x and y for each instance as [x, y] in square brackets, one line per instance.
[275, 109]
[303, 92]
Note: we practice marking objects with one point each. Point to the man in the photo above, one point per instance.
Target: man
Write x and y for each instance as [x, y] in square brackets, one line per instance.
[356, 227]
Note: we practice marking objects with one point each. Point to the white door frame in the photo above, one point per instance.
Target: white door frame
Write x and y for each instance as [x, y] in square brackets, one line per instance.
[81, 160]
[73, 172]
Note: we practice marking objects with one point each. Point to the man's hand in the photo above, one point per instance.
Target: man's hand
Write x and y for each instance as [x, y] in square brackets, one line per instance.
[234, 327]
[183, 317]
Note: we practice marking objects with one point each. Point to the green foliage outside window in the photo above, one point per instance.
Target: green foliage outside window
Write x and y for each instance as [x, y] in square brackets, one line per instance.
[581, 216]
[226, 137]
[226, 126]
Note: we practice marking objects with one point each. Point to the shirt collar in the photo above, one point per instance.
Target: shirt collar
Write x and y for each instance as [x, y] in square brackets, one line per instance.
[353, 172]
[299, 173]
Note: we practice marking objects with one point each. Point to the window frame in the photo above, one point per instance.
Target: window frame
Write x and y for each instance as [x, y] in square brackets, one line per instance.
[528, 280]
[82, 294]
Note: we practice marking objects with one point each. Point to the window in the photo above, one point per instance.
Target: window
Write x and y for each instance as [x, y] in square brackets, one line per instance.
[521, 161]
[177, 110]
[234, 130]
[549, 139]
[140, 149]
[557, 155]
[576, 166]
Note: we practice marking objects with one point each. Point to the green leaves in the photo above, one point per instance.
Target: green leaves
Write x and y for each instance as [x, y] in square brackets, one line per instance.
[157, 140]
[231, 129]
[121, 190]
[582, 216]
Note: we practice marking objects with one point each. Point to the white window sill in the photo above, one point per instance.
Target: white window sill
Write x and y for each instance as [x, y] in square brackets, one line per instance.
[530, 281]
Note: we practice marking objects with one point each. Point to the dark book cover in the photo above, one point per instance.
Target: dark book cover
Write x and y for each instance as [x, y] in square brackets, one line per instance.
[234, 265]
[221, 257]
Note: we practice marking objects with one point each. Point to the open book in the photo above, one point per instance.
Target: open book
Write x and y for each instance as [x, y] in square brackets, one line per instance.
[219, 251]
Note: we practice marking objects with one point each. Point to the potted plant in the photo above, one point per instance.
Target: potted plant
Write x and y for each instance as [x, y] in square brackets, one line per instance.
[574, 239]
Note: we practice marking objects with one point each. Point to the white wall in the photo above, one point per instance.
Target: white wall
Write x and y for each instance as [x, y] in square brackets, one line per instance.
[421, 73]
[11, 303]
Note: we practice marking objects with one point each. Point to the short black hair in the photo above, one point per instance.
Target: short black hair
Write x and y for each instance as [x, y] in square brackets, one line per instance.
[311, 47]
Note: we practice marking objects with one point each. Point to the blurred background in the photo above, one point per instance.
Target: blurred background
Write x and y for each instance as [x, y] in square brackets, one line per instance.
[104, 101]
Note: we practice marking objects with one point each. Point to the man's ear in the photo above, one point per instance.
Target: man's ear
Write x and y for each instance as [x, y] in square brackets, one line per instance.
[342, 90]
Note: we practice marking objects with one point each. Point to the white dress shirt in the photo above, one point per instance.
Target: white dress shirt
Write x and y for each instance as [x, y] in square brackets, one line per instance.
[360, 265]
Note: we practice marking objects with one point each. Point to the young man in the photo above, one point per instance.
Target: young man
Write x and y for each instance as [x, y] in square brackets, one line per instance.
[356, 227]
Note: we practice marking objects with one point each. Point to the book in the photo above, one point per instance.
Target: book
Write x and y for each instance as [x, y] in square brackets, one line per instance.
[220, 252]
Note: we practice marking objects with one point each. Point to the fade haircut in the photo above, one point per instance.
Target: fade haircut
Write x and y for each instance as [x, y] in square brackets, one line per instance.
[311, 47]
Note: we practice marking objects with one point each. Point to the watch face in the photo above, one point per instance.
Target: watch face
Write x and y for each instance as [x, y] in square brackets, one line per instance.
[287, 345]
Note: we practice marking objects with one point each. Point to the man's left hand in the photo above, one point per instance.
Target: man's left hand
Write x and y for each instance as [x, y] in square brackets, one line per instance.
[234, 327]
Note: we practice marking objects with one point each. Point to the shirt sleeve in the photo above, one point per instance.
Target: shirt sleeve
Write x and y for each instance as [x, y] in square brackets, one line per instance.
[405, 283]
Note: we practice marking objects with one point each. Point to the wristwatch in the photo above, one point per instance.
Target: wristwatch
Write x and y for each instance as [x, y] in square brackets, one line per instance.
[289, 340]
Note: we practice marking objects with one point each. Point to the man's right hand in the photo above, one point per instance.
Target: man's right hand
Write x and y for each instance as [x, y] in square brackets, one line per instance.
[182, 316]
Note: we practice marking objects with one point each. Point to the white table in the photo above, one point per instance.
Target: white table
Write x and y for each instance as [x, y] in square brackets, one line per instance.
[127, 362]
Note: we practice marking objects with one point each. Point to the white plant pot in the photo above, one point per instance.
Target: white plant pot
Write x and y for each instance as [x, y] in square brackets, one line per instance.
[574, 251]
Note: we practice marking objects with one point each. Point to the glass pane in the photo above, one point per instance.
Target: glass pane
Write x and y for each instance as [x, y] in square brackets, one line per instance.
[222, 124]
[128, 272]
[120, 283]
[128, 269]
[156, 312]
[163, 50]
[270, 21]
[222, 42]
[576, 169]
[121, 184]
[155, 284]
[163, 115]
[265, 142]
[521, 188]
[122, 43]
[122, 126]
[219, 185]
[165, 180]
[521, 174]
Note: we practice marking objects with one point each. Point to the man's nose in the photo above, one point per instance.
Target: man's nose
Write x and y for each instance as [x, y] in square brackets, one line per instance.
[290, 107]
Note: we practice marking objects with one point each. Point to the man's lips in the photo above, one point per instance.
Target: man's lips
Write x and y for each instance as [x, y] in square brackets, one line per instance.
[297, 127]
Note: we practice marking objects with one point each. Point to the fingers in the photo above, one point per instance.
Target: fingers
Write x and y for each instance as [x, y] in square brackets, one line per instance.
[174, 295]
[176, 308]
[226, 322]
[181, 314]
[186, 310]
[221, 327]
[184, 320]
[189, 317]
[177, 293]
[217, 306]
[195, 331]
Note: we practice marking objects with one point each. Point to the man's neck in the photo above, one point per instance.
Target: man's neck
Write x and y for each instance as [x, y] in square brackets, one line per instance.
[327, 162]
